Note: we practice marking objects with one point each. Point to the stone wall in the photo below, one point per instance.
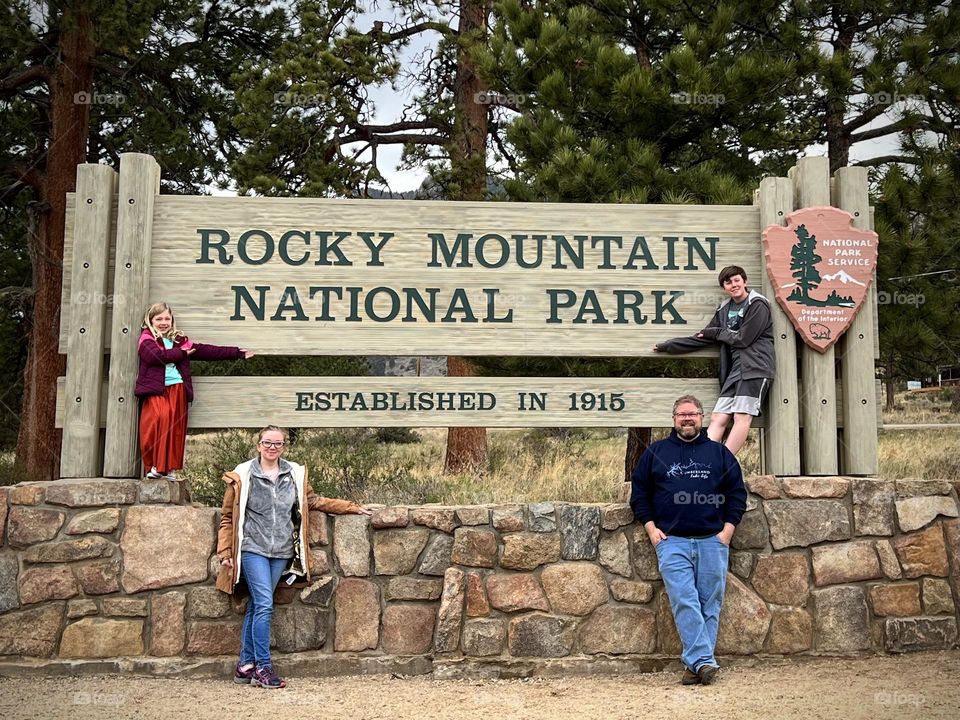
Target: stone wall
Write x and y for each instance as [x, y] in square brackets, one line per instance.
[118, 568]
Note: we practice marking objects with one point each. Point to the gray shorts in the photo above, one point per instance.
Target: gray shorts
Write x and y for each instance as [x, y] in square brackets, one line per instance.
[746, 397]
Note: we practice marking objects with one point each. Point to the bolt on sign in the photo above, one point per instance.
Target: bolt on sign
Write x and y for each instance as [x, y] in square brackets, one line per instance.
[821, 268]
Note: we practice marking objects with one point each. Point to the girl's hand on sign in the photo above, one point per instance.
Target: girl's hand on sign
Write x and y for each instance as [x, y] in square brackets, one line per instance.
[247, 354]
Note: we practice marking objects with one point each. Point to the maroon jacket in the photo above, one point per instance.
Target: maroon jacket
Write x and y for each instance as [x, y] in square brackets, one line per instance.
[154, 357]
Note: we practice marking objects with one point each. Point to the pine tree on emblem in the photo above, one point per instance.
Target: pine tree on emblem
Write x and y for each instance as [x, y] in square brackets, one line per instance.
[803, 264]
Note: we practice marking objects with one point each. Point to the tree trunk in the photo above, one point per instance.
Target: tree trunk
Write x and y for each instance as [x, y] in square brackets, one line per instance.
[891, 385]
[638, 440]
[467, 446]
[38, 442]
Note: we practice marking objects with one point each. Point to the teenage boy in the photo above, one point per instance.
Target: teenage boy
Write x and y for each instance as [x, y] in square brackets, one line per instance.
[744, 330]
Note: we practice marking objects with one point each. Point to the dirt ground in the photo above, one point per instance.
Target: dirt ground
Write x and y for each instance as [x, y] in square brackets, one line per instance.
[922, 685]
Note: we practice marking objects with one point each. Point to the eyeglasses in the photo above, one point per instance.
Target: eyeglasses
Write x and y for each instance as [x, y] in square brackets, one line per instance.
[272, 443]
[687, 415]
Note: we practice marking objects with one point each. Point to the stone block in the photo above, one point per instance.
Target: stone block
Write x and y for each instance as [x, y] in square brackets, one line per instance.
[318, 532]
[873, 509]
[9, 569]
[631, 591]
[167, 626]
[450, 615]
[4, 501]
[507, 518]
[351, 545]
[951, 532]
[915, 488]
[528, 550]
[791, 631]
[783, 578]
[922, 553]
[483, 638]
[542, 517]
[124, 607]
[474, 515]
[297, 628]
[437, 556]
[538, 635]
[888, 560]
[390, 517]
[28, 493]
[574, 588]
[752, 532]
[619, 630]
[153, 492]
[845, 563]
[741, 564]
[744, 620]
[474, 547]
[668, 637]
[319, 561]
[815, 487]
[800, 523]
[405, 588]
[937, 598]
[515, 592]
[579, 532]
[900, 600]
[214, 637]
[920, 633]
[357, 605]
[84, 492]
[477, 605]
[766, 486]
[99, 578]
[33, 632]
[53, 582]
[81, 608]
[442, 519]
[614, 517]
[105, 520]
[615, 554]
[408, 629]
[915, 512]
[645, 563]
[83, 548]
[166, 545]
[395, 551]
[206, 602]
[102, 638]
[842, 622]
[319, 592]
[29, 525]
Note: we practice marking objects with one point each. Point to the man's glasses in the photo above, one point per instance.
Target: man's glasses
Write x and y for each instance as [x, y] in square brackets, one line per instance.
[272, 443]
[683, 416]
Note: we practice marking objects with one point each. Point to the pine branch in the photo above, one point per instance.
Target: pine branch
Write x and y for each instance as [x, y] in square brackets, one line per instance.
[388, 37]
[883, 159]
[31, 76]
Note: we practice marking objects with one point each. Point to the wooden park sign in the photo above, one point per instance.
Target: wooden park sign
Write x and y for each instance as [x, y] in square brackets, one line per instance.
[296, 276]
[821, 269]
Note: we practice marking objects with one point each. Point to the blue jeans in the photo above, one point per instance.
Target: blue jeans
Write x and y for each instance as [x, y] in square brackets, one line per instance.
[262, 575]
[695, 577]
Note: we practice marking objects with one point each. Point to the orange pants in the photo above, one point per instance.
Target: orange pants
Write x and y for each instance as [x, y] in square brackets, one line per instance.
[163, 429]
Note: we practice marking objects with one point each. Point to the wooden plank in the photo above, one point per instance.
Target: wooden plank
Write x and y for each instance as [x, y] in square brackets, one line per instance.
[819, 399]
[782, 436]
[859, 454]
[204, 302]
[85, 317]
[138, 188]
[223, 402]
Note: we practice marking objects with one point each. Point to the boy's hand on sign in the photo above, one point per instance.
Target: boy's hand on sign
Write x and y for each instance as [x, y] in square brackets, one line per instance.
[247, 354]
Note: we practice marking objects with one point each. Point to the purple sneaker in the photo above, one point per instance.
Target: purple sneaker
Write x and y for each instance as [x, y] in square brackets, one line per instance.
[241, 676]
[265, 677]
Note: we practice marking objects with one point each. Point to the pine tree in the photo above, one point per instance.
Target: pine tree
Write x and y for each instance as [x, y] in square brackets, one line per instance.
[803, 263]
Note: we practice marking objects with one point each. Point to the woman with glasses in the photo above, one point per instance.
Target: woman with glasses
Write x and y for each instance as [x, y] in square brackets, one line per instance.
[263, 538]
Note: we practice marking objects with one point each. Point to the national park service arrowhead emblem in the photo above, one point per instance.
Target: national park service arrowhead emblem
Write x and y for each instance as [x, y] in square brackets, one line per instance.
[821, 268]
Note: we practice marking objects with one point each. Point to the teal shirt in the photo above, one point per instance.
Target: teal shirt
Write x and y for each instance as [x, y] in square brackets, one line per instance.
[171, 374]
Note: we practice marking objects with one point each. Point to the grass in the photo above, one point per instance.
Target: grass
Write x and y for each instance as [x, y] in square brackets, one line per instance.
[936, 406]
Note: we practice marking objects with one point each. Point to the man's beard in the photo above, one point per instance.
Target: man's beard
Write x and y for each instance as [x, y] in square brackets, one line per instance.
[688, 432]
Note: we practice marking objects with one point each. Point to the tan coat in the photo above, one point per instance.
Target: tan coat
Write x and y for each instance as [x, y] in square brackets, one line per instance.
[229, 537]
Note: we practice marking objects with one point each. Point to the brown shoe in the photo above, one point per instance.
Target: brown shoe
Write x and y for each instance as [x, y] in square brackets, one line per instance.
[689, 677]
[707, 674]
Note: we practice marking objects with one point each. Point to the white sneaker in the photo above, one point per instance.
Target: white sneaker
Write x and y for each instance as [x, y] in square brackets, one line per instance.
[154, 474]
[172, 476]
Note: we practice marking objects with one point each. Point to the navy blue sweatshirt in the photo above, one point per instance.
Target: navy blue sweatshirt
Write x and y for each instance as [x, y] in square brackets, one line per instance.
[688, 488]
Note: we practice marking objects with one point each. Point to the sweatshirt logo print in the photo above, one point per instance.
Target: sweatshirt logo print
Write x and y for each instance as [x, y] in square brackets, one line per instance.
[692, 469]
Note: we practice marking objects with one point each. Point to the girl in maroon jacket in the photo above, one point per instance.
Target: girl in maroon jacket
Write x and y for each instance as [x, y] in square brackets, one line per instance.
[165, 388]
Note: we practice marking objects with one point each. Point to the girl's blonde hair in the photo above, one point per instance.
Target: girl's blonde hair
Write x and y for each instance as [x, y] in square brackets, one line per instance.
[272, 428]
[155, 310]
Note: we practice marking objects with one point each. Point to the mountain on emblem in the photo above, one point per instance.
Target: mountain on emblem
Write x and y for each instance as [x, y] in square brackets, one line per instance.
[821, 268]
